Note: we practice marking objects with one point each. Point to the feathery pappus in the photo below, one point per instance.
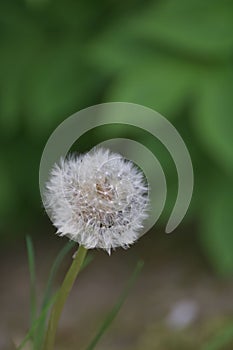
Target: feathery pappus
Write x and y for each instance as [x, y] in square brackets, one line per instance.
[98, 199]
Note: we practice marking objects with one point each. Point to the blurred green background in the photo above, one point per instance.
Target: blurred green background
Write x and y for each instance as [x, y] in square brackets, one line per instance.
[175, 56]
[58, 57]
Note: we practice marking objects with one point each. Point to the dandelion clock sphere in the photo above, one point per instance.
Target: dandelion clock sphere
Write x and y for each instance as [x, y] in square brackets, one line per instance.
[98, 199]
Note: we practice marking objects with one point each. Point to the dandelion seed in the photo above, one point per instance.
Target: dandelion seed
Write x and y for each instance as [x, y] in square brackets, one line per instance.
[98, 199]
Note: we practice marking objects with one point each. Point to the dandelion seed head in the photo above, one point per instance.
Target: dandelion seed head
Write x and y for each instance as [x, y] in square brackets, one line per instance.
[98, 199]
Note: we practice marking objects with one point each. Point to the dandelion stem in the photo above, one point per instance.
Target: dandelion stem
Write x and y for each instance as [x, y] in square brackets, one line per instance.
[62, 296]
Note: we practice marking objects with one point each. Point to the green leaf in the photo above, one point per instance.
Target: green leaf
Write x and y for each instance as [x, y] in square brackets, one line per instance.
[212, 117]
[113, 313]
[31, 264]
[162, 84]
[216, 233]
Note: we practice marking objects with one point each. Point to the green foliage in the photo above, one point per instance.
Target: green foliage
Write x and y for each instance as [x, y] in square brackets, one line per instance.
[213, 116]
[174, 56]
[161, 83]
[196, 27]
[216, 222]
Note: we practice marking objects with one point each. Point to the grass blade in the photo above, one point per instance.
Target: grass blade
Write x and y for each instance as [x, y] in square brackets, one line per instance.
[32, 271]
[36, 322]
[63, 294]
[116, 308]
[48, 290]
[40, 331]
[61, 255]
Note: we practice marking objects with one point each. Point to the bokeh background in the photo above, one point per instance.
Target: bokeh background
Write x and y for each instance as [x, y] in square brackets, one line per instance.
[175, 56]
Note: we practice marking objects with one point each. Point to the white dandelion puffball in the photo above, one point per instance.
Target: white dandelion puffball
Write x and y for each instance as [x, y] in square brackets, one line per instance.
[98, 199]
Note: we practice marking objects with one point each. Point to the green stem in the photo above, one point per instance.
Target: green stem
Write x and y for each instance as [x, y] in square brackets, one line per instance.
[62, 296]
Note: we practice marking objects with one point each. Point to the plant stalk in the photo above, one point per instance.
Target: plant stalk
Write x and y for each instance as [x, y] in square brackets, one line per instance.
[62, 296]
